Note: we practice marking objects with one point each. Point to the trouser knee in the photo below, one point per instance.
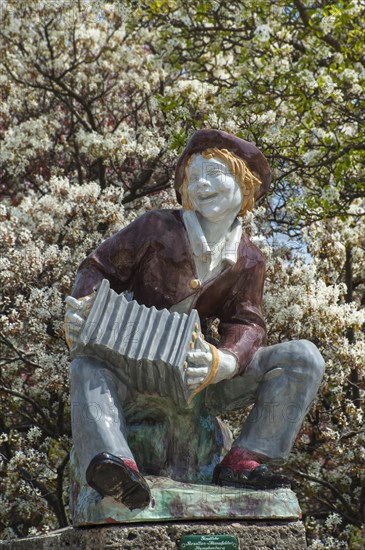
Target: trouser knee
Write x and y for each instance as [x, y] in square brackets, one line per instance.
[310, 359]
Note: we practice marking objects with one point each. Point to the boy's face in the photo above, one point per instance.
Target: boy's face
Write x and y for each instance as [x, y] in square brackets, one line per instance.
[212, 189]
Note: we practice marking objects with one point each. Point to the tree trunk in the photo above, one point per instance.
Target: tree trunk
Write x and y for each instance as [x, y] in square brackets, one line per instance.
[353, 389]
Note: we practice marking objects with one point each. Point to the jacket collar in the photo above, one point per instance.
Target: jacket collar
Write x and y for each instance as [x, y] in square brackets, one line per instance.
[198, 241]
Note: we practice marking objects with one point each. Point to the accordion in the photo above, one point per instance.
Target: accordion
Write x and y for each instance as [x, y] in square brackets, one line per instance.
[146, 346]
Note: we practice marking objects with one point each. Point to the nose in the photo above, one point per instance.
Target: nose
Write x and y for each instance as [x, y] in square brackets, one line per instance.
[203, 183]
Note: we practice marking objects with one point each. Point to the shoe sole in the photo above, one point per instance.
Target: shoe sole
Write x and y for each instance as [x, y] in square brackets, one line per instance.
[261, 480]
[263, 486]
[120, 482]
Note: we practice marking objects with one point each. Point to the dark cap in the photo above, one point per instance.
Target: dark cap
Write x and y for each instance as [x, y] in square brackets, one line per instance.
[205, 139]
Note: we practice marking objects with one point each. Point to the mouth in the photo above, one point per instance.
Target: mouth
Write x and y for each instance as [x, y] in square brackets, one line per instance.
[207, 196]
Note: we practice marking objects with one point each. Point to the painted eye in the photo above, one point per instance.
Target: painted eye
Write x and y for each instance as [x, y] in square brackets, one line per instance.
[215, 173]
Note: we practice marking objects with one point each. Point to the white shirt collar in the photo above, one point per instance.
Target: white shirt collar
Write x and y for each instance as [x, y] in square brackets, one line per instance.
[198, 241]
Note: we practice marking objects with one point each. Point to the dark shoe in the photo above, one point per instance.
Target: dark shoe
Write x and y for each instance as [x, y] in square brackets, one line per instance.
[258, 478]
[112, 477]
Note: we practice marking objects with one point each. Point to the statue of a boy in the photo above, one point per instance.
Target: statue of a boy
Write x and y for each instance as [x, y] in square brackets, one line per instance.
[197, 257]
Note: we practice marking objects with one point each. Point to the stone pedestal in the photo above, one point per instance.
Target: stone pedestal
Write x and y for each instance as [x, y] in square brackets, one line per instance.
[278, 535]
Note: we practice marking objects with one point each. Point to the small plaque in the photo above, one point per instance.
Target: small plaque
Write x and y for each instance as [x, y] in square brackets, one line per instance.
[208, 542]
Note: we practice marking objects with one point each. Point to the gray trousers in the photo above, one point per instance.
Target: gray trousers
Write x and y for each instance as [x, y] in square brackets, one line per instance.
[281, 382]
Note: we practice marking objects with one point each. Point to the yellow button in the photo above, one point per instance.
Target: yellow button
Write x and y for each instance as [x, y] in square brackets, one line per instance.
[194, 283]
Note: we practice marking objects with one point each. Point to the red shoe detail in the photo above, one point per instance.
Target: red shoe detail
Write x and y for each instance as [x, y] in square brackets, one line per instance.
[240, 459]
[129, 462]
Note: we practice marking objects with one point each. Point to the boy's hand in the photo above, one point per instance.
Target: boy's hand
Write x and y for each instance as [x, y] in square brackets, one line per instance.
[200, 362]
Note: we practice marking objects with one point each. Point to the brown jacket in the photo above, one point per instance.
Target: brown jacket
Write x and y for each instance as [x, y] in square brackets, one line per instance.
[152, 257]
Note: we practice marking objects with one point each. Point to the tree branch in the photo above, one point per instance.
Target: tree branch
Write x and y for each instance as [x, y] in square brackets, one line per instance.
[332, 488]
[34, 404]
[21, 354]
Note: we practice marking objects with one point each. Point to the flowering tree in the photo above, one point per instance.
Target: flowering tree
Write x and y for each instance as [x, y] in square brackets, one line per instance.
[99, 99]
[82, 86]
[44, 239]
